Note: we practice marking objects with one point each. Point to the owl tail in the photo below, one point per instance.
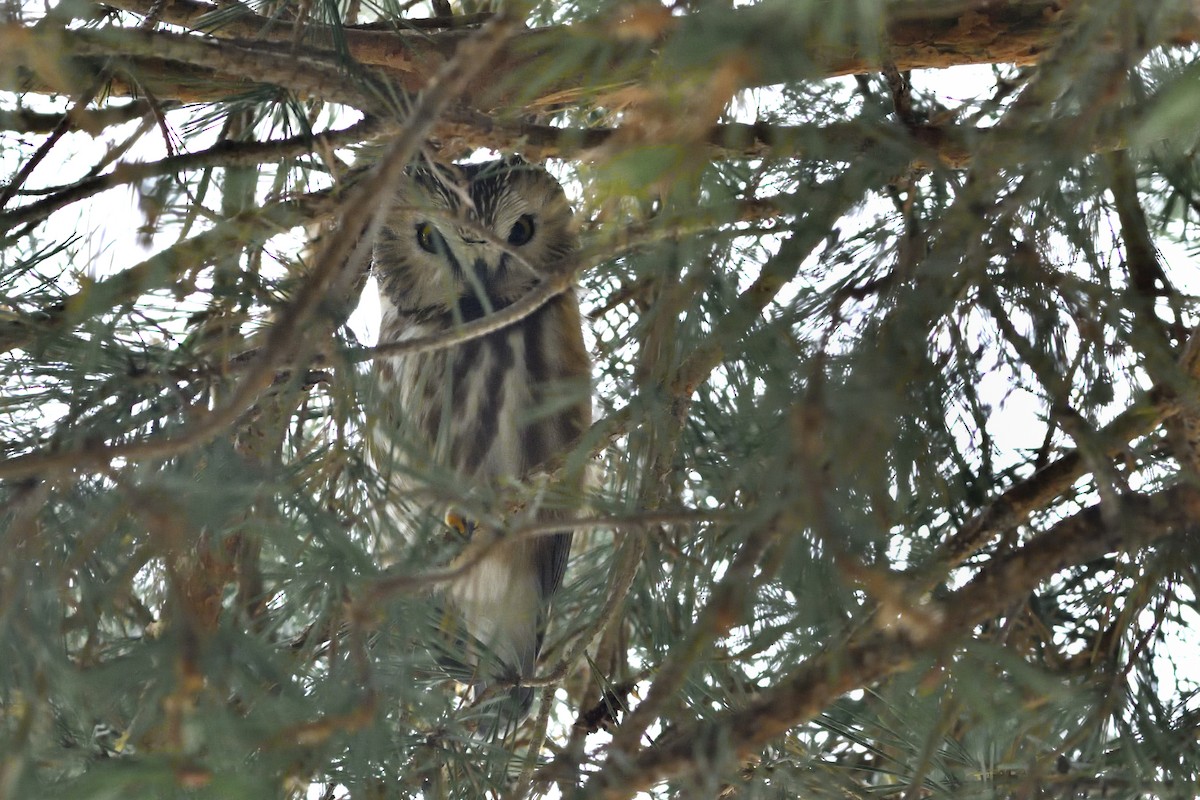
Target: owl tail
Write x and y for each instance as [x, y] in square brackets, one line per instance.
[502, 612]
[512, 708]
[506, 709]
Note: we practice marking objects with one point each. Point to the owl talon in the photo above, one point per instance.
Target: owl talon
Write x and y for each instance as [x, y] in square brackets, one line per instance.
[458, 522]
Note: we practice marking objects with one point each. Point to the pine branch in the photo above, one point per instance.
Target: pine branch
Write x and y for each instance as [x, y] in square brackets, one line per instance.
[223, 154]
[725, 609]
[1148, 282]
[241, 66]
[93, 121]
[482, 546]
[1015, 32]
[947, 145]
[160, 271]
[875, 655]
[932, 145]
[931, 36]
[345, 251]
[545, 291]
[1014, 506]
[322, 77]
[807, 335]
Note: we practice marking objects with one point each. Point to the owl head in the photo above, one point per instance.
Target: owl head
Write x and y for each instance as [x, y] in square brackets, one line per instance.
[470, 239]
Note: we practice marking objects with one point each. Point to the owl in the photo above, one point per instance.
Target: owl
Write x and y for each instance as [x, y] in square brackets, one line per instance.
[461, 242]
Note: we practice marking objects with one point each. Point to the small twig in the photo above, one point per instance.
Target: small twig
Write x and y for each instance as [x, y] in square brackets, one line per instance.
[59, 131]
[543, 293]
[480, 547]
[524, 783]
[224, 154]
[901, 89]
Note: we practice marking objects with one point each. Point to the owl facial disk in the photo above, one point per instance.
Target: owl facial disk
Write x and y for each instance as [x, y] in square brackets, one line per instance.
[468, 237]
[478, 265]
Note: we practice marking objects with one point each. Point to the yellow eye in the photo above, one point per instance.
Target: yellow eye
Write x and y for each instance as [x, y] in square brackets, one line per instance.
[427, 237]
[522, 231]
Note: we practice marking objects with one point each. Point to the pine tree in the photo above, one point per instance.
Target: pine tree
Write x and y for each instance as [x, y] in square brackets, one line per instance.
[898, 421]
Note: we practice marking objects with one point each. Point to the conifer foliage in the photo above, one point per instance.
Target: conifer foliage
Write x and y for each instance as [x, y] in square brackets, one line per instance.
[893, 311]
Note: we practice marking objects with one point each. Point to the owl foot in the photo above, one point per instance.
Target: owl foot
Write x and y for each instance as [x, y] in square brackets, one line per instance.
[465, 527]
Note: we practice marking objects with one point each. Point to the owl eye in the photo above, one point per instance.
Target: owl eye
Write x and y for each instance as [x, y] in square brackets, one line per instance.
[522, 231]
[427, 237]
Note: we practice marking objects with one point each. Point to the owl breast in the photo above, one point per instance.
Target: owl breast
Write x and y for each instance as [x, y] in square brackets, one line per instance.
[486, 408]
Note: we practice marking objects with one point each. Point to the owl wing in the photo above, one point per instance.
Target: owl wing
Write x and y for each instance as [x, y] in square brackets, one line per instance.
[551, 556]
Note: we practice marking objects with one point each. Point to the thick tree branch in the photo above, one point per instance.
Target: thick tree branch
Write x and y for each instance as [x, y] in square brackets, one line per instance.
[949, 34]
[926, 36]
[307, 77]
[415, 55]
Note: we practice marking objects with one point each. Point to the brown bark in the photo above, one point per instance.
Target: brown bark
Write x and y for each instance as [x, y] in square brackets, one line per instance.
[948, 34]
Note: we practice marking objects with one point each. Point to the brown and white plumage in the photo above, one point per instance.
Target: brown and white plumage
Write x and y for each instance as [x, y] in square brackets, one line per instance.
[461, 242]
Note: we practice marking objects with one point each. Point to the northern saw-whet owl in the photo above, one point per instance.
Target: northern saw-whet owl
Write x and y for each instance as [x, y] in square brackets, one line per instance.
[460, 242]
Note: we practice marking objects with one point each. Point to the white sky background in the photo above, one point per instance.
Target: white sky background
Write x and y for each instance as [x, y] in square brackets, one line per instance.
[115, 245]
